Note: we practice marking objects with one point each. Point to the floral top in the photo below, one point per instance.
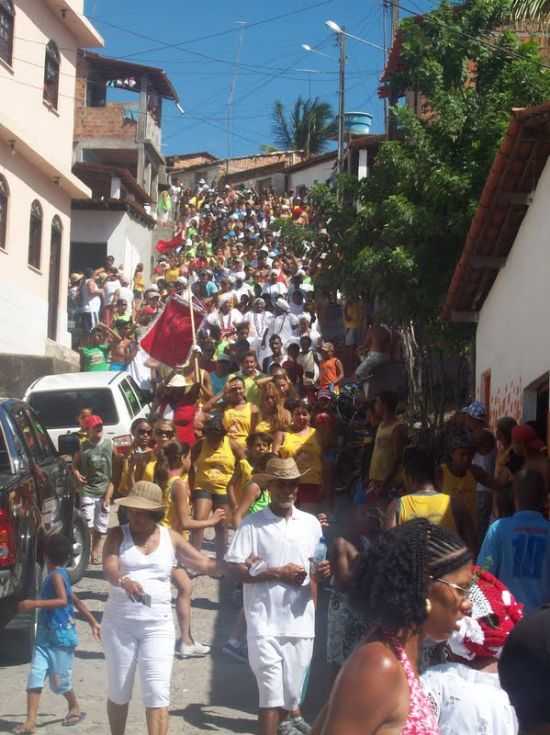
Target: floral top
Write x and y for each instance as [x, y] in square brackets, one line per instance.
[421, 719]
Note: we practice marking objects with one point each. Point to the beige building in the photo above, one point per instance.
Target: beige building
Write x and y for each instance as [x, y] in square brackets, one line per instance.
[39, 42]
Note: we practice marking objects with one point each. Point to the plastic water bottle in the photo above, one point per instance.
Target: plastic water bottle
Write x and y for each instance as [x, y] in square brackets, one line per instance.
[320, 553]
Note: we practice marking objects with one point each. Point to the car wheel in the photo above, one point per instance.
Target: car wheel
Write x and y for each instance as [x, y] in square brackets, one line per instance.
[81, 547]
[18, 638]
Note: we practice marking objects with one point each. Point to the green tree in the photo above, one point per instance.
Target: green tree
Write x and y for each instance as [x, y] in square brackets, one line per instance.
[308, 126]
[418, 201]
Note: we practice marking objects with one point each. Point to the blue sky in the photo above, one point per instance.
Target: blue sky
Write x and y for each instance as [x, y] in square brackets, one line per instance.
[272, 61]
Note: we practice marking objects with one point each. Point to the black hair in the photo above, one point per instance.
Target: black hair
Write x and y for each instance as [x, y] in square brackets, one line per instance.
[459, 438]
[262, 435]
[58, 549]
[136, 422]
[390, 399]
[166, 460]
[299, 403]
[392, 580]
[524, 670]
[156, 515]
[530, 490]
[273, 338]
[505, 426]
[419, 464]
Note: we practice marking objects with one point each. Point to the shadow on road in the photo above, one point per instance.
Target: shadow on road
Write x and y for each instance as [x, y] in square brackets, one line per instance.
[200, 717]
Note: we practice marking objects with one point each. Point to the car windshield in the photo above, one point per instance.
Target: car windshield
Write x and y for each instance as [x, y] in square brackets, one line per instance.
[5, 464]
[59, 409]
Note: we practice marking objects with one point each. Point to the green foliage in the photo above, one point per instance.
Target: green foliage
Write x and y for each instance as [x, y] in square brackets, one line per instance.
[309, 126]
[416, 205]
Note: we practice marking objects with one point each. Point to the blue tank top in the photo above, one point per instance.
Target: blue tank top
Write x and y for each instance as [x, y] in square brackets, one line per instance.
[58, 618]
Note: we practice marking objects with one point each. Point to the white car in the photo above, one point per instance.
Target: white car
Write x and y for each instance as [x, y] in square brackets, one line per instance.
[58, 400]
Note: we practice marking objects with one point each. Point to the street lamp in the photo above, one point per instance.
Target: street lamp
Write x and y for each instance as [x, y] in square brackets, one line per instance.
[309, 72]
[338, 29]
[313, 50]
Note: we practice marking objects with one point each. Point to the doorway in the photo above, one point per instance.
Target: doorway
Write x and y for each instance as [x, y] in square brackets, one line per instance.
[87, 255]
[56, 239]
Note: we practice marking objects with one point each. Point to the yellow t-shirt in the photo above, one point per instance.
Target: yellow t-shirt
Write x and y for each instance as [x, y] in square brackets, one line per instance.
[172, 275]
[383, 454]
[306, 450]
[436, 508]
[245, 472]
[238, 422]
[461, 487]
[139, 282]
[169, 519]
[214, 468]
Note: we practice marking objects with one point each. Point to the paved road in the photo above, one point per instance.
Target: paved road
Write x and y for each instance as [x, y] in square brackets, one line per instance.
[214, 694]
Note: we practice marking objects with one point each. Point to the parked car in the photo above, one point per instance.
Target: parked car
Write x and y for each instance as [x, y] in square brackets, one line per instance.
[37, 498]
[116, 397]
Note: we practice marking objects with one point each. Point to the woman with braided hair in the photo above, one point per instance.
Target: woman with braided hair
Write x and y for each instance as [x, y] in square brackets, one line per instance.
[414, 582]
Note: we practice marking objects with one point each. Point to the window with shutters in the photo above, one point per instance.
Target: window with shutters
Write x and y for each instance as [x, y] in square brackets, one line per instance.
[7, 22]
[51, 74]
[35, 234]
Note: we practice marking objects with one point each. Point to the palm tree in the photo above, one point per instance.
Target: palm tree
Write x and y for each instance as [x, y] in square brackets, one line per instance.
[309, 126]
[534, 10]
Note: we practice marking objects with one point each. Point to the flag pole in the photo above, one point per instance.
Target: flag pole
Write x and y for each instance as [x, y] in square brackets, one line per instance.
[194, 333]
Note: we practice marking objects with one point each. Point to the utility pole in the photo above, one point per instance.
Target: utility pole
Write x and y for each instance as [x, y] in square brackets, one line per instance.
[394, 16]
[341, 100]
[231, 98]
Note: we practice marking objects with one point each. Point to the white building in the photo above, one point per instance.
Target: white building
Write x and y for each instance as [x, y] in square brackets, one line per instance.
[502, 279]
[315, 170]
[39, 42]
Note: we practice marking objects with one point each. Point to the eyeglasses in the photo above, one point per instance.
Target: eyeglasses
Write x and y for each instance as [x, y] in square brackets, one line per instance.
[464, 591]
[162, 432]
[144, 432]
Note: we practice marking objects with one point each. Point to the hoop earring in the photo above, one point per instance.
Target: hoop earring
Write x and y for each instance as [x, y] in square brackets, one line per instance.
[428, 606]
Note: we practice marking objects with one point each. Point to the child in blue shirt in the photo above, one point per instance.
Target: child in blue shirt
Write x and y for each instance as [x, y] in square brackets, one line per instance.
[56, 638]
[517, 549]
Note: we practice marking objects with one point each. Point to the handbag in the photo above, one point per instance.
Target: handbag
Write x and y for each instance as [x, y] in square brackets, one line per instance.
[62, 635]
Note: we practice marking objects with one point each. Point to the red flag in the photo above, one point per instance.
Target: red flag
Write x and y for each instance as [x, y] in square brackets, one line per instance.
[171, 335]
[163, 246]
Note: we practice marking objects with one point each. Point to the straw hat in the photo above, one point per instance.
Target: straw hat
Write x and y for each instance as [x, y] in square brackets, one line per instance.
[179, 381]
[278, 468]
[144, 495]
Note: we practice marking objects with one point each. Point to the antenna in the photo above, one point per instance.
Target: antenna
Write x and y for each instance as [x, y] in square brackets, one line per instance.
[231, 96]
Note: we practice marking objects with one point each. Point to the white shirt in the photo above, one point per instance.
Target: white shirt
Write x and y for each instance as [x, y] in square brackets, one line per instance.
[225, 321]
[259, 322]
[284, 326]
[469, 702]
[126, 294]
[109, 290]
[275, 290]
[275, 609]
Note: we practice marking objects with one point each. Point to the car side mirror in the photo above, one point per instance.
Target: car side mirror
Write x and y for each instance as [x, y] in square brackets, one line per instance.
[68, 444]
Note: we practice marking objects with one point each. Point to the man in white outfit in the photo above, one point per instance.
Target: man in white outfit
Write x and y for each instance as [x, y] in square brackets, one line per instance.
[271, 553]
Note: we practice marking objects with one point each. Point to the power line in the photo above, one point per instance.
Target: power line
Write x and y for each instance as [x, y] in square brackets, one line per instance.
[273, 19]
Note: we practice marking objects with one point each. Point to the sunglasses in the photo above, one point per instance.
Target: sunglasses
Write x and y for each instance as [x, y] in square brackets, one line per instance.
[464, 591]
[162, 432]
[145, 432]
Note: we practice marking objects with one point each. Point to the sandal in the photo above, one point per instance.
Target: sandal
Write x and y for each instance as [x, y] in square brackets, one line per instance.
[22, 730]
[73, 719]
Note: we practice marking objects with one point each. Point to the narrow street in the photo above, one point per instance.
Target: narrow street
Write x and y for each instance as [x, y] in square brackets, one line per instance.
[211, 694]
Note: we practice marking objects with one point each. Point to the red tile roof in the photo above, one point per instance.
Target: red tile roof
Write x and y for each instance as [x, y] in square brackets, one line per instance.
[503, 205]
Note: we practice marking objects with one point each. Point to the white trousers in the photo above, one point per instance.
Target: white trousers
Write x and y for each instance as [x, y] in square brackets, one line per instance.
[144, 644]
[280, 666]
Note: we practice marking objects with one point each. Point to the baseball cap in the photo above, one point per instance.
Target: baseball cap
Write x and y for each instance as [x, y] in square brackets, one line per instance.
[525, 434]
[92, 421]
[476, 410]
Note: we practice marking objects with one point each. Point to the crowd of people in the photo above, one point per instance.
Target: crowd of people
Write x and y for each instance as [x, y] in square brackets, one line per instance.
[434, 560]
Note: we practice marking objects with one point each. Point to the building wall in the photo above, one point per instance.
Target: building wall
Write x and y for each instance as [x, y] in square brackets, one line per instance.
[320, 173]
[47, 135]
[24, 289]
[49, 132]
[511, 339]
[129, 241]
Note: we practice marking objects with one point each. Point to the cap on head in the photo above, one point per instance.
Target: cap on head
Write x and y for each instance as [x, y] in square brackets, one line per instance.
[92, 421]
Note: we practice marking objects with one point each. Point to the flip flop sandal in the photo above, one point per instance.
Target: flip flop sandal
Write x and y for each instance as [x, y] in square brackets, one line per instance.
[72, 720]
